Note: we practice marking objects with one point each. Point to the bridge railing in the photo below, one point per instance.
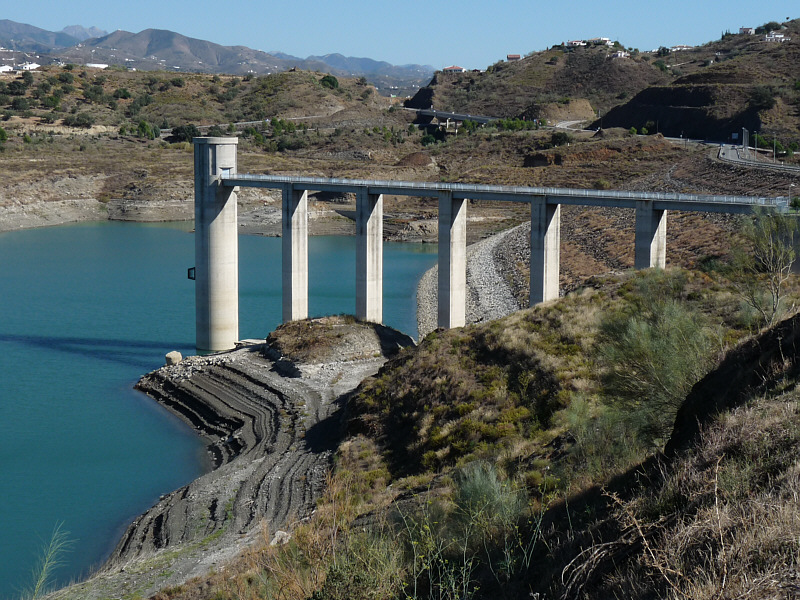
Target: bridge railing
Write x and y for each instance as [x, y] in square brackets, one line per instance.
[520, 192]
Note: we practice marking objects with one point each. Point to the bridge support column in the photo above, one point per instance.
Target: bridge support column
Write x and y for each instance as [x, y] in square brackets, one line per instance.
[369, 256]
[294, 249]
[452, 261]
[545, 250]
[216, 246]
[651, 236]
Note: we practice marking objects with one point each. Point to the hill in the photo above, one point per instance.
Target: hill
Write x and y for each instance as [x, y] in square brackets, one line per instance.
[84, 33]
[520, 89]
[27, 38]
[720, 87]
[708, 92]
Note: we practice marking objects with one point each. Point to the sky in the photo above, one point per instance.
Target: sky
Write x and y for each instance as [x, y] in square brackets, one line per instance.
[440, 33]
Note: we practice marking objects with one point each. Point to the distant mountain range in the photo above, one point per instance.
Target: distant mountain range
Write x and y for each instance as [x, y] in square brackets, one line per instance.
[158, 49]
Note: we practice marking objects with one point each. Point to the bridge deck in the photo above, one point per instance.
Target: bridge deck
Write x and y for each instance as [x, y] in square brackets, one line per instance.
[475, 191]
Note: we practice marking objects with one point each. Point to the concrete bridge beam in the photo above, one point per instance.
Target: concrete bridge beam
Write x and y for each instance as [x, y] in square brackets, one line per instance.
[452, 261]
[216, 246]
[651, 236]
[294, 248]
[545, 250]
[369, 256]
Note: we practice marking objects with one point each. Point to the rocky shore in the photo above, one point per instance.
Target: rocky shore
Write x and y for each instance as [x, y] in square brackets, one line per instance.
[271, 425]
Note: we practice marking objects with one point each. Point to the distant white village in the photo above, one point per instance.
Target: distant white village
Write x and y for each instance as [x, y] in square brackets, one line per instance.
[771, 36]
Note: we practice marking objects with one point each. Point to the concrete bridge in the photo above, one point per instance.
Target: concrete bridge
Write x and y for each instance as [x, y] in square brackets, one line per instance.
[216, 236]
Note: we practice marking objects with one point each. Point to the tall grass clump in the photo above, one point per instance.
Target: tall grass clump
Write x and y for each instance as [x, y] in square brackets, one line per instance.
[49, 560]
[481, 537]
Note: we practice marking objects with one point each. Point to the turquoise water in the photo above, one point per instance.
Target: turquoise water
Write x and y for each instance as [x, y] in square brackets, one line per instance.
[84, 311]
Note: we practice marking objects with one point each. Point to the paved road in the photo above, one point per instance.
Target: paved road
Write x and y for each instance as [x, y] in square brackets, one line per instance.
[731, 153]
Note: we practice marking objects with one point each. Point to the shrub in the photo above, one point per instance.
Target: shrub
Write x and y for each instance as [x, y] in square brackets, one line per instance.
[330, 82]
[762, 97]
[559, 138]
[428, 139]
[84, 120]
[761, 269]
[652, 351]
[185, 133]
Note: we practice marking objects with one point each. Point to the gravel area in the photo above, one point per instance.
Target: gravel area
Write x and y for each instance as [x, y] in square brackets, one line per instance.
[489, 293]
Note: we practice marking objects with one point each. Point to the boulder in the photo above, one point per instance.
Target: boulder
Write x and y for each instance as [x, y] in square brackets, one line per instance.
[174, 357]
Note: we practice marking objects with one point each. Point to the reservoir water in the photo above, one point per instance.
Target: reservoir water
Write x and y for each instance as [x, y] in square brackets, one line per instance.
[85, 310]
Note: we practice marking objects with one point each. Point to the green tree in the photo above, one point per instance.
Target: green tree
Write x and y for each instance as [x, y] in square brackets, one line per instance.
[185, 133]
[145, 130]
[761, 267]
[3, 135]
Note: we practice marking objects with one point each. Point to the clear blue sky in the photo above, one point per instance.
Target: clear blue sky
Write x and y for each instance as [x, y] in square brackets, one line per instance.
[468, 33]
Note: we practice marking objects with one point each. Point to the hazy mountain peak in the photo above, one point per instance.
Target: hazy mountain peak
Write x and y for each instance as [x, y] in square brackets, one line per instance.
[82, 33]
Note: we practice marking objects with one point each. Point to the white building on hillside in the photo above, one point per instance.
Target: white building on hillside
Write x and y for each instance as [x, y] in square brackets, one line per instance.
[747, 30]
[29, 66]
[6, 69]
[776, 37]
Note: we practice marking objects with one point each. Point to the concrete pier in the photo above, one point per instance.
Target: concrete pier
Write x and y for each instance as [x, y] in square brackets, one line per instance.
[295, 253]
[369, 256]
[651, 236]
[216, 184]
[545, 250]
[216, 245]
[452, 260]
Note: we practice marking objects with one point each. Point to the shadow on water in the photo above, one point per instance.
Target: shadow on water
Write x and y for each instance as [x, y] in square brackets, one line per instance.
[127, 352]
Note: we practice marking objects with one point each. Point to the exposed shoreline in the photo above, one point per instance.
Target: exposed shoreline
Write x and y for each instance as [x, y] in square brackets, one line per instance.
[271, 427]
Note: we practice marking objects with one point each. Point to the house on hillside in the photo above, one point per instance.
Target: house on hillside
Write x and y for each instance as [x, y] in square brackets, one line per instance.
[621, 54]
[454, 69]
[680, 48]
[747, 30]
[6, 69]
[776, 37]
[29, 66]
[575, 43]
[513, 57]
[600, 41]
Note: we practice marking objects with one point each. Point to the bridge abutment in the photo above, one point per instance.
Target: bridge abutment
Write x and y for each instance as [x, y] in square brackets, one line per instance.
[452, 306]
[651, 236]
[369, 256]
[294, 245]
[216, 246]
[545, 250]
